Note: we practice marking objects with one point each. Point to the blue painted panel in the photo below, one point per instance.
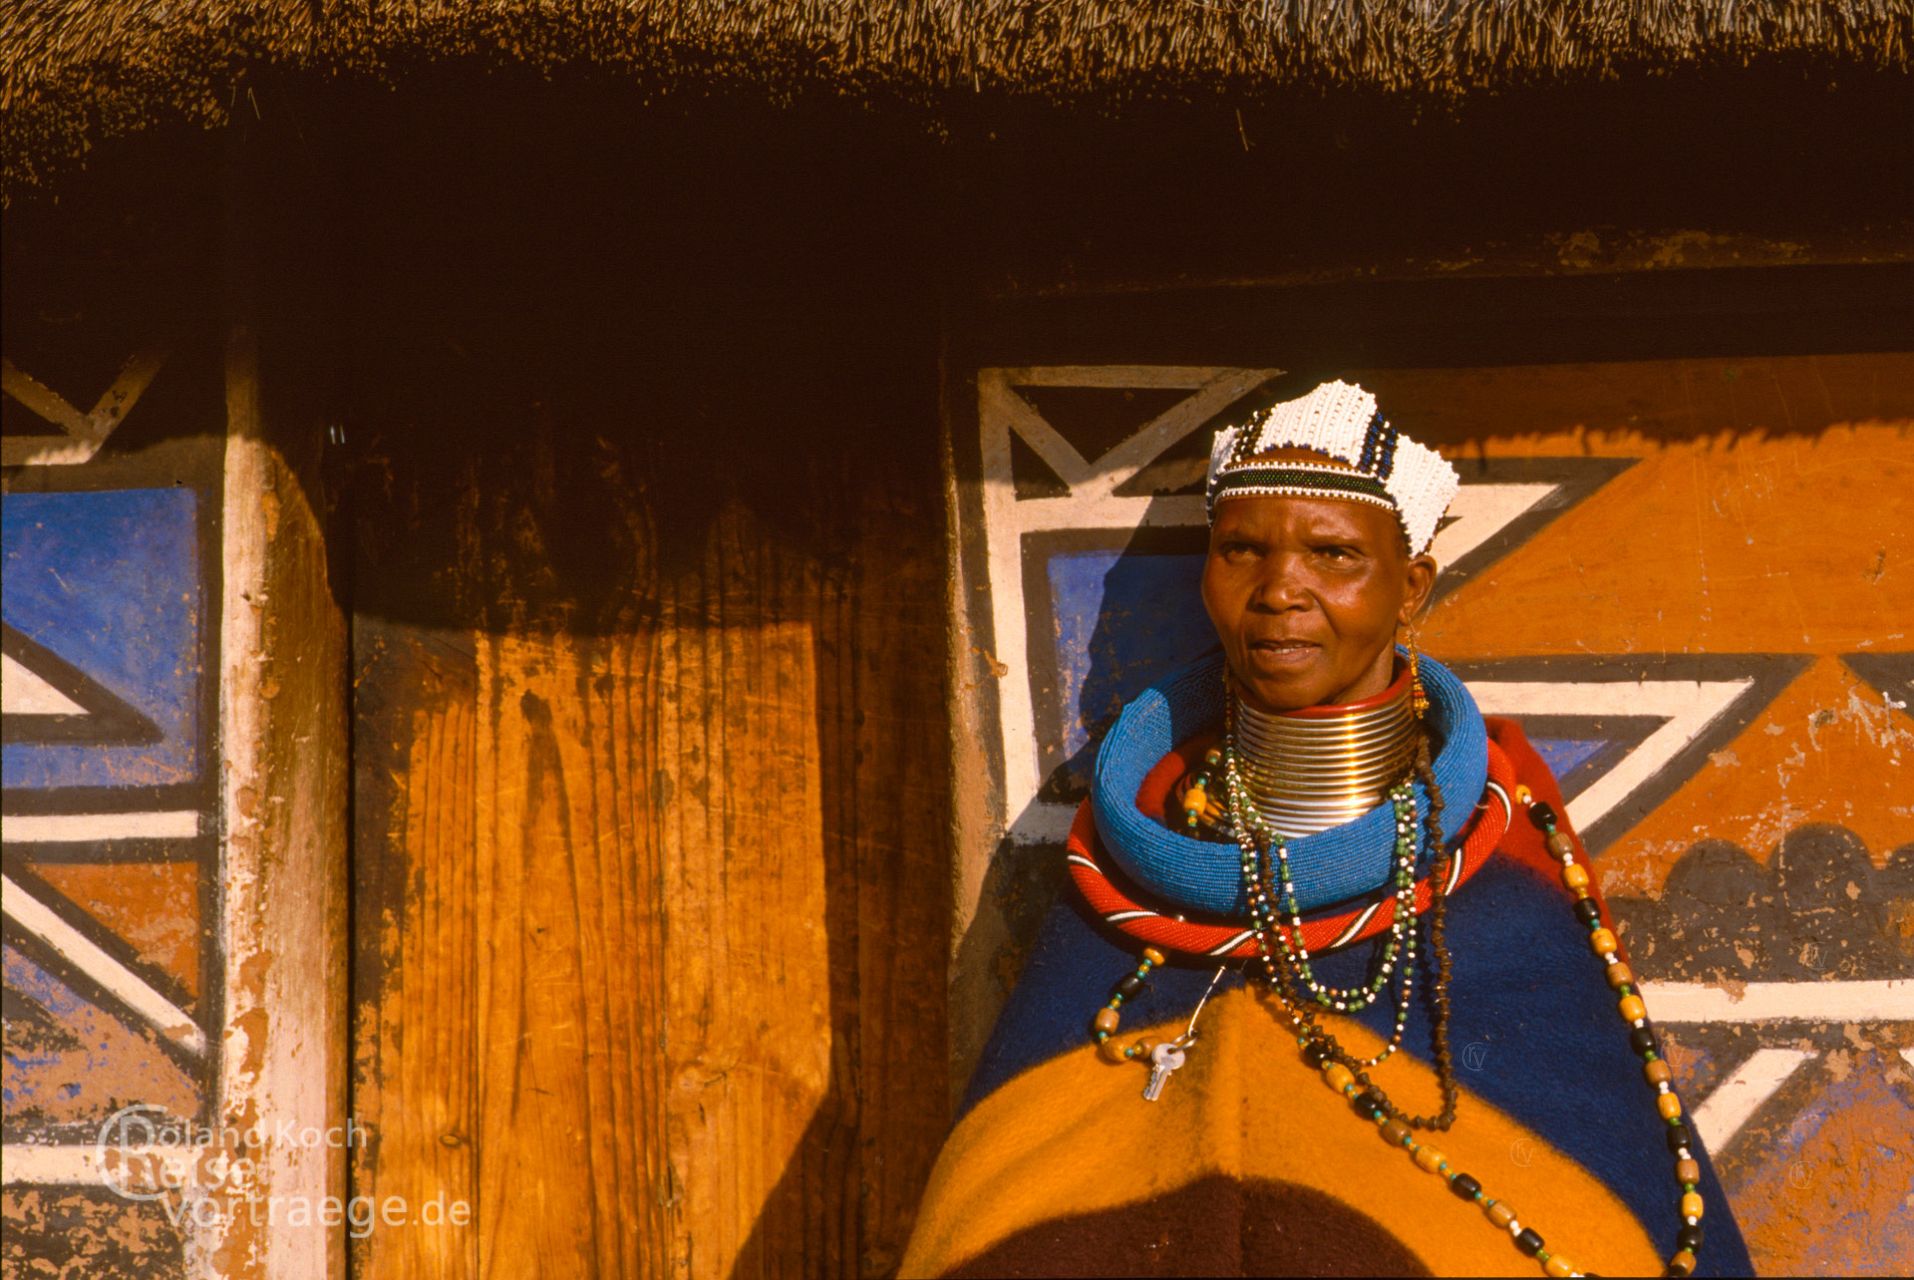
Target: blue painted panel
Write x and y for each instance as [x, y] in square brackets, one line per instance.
[1123, 620]
[89, 1067]
[1565, 755]
[109, 581]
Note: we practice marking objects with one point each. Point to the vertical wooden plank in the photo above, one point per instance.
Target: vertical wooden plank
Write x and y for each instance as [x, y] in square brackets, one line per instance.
[748, 1009]
[710, 871]
[534, 964]
[414, 995]
[893, 789]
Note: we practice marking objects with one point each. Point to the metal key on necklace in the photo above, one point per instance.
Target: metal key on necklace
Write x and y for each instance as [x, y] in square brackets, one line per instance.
[1164, 1059]
[1170, 1055]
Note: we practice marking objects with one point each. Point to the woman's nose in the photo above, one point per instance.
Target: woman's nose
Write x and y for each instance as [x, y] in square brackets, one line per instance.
[1279, 586]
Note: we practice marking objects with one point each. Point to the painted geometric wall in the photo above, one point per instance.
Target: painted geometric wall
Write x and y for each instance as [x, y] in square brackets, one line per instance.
[1692, 582]
[109, 592]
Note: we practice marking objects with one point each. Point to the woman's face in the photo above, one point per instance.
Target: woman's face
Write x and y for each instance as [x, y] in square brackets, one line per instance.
[1306, 595]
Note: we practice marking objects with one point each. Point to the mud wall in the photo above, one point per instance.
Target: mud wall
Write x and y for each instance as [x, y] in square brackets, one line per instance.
[174, 770]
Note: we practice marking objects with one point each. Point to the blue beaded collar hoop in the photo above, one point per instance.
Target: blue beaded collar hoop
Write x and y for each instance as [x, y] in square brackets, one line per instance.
[1203, 877]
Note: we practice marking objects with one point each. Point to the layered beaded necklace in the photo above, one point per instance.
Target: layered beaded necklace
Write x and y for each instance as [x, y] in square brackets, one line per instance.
[1287, 965]
[1257, 839]
[1320, 1049]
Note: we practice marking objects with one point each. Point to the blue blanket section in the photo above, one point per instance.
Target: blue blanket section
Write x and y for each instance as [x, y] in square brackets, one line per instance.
[110, 582]
[1533, 1030]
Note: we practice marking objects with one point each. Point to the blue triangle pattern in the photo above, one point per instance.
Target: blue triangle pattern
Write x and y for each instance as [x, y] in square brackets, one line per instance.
[1565, 755]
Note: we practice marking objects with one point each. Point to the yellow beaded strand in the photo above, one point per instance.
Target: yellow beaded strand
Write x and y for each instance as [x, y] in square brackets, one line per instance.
[1104, 1026]
[1655, 1071]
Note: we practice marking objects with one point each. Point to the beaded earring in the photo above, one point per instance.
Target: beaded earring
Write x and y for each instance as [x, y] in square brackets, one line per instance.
[1418, 696]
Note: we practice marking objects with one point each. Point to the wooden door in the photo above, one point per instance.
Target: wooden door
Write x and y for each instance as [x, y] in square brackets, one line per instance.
[650, 804]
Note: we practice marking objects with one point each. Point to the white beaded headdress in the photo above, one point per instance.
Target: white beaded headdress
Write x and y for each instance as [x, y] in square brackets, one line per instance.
[1341, 421]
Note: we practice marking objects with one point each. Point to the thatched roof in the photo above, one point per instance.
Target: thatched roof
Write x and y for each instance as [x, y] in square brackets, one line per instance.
[77, 71]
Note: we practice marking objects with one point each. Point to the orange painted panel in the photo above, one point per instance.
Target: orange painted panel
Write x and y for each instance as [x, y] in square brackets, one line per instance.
[1827, 750]
[153, 906]
[1725, 543]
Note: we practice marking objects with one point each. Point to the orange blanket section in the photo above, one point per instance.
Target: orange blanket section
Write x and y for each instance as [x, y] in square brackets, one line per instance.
[1071, 1137]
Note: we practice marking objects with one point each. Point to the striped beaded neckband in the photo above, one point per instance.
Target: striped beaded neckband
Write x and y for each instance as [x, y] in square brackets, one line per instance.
[1160, 927]
[1183, 873]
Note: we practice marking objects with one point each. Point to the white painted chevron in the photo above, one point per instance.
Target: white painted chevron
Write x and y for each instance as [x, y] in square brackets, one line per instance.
[80, 434]
[1687, 706]
[1720, 1116]
[1479, 512]
[118, 981]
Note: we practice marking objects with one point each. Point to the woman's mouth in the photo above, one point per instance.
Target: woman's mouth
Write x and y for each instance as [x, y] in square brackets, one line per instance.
[1281, 655]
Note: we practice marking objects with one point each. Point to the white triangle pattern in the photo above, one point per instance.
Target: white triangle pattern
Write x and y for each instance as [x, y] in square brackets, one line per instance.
[1479, 512]
[26, 693]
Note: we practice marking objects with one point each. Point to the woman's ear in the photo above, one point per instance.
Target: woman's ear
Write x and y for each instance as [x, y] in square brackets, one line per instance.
[1420, 576]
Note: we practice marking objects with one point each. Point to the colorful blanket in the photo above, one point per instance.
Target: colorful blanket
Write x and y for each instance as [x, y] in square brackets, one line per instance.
[1248, 1165]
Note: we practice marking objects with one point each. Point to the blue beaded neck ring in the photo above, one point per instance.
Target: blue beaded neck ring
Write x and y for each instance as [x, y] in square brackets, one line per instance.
[1203, 877]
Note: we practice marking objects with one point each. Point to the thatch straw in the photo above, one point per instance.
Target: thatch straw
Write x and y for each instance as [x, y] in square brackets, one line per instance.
[80, 70]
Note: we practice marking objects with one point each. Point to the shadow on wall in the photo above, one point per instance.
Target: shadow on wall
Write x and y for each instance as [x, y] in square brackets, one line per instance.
[1117, 618]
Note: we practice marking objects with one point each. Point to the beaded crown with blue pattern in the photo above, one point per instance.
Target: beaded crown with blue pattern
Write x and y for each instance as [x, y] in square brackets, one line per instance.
[1372, 461]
